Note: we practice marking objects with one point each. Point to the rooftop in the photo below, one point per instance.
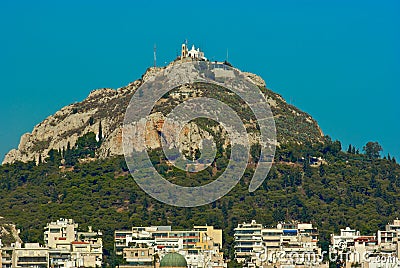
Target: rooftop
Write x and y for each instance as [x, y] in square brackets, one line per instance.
[173, 260]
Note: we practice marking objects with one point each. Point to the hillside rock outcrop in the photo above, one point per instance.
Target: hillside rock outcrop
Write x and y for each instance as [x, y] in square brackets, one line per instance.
[106, 107]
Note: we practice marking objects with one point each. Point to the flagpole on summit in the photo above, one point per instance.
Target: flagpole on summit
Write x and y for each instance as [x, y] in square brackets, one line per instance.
[155, 55]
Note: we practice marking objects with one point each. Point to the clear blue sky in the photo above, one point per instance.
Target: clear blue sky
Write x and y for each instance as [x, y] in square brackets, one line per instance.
[337, 60]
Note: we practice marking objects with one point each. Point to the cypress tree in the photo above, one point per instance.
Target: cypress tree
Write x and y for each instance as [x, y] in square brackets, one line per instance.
[100, 132]
[321, 170]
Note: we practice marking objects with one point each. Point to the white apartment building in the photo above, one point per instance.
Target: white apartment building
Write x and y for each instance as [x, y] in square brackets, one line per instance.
[248, 240]
[390, 234]
[256, 245]
[200, 246]
[370, 251]
[345, 239]
[6, 257]
[68, 247]
[30, 255]
[60, 234]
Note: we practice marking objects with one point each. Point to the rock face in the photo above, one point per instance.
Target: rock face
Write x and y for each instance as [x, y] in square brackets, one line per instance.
[107, 107]
[8, 233]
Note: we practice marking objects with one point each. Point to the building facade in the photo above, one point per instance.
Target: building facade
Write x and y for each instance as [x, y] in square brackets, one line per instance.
[370, 251]
[248, 241]
[288, 244]
[31, 255]
[68, 247]
[200, 246]
[140, 257]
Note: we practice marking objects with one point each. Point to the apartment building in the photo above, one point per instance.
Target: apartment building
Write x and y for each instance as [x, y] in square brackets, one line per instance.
[345, 238]
[68, 247]
[140, 257]
[284, 245]
[370, 251]
[121, 240]
[60, 234]
[6, 254]
[248, 241]
[27, 255]
[200, 246]
[31, 255]
[391, 233]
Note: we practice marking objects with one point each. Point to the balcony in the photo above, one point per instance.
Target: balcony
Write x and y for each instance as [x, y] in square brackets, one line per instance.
[138, 260]
[254, 238]
[32, 260]
[388, 247]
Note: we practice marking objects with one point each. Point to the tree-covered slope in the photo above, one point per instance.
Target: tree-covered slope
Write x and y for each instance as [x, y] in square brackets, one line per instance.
[347, 190]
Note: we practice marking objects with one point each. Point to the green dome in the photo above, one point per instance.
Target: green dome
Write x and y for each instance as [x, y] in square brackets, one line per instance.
[173, 260]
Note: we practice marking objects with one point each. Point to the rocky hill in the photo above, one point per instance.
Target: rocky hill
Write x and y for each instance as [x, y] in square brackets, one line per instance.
[103, 112]
[8, 232]
[343, 189]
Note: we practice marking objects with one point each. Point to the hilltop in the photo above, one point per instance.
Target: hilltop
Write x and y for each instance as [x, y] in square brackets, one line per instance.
[103, 112]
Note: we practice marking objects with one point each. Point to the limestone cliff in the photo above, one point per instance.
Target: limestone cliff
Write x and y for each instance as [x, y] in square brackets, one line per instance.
[107, 107]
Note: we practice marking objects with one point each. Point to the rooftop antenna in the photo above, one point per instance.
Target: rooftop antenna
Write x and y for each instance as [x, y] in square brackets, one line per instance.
[155, 55]
[227, 56]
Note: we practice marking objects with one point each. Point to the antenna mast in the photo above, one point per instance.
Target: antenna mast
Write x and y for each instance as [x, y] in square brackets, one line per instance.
[227, 56]
[155, 55]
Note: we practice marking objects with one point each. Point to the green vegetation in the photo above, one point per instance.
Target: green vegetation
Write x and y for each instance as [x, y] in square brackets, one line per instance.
[85, 147]
[6, 232]
[343, 189]
[372, 150]
[348, 190]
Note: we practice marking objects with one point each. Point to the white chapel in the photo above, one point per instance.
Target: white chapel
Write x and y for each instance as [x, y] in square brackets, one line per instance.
[193, 53]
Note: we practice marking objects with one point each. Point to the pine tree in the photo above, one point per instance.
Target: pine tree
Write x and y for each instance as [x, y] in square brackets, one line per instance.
[372, 150]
